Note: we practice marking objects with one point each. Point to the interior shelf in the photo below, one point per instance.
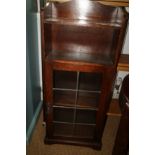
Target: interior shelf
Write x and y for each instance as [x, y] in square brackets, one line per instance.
[64, 79]
[88, 100]
[63, 114]
[85, 100]
[79, 57]
[64, 98]
[63, 129]
[73, 130]
[77, 90]
[84, 131]
[81, 44]
[80, 22]
[85, 116]
[90, 81]
[71, 115]
[68, 80]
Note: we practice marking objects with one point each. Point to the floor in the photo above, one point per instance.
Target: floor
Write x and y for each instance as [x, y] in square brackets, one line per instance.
[37, 146]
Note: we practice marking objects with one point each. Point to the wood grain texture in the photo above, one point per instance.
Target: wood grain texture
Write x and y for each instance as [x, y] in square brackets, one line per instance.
[83, 37]
[123, 64]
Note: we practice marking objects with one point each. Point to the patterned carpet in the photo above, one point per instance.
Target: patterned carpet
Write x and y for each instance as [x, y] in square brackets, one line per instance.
[37, 146]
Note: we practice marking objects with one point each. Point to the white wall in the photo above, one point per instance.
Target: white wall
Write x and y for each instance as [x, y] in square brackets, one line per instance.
[126, 43]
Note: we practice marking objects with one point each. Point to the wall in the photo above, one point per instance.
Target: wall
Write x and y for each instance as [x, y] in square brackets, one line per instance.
[33, 67]
[126, 43]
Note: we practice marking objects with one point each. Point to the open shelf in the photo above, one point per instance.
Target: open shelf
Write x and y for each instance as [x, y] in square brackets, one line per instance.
[89, 44]
[79, 57]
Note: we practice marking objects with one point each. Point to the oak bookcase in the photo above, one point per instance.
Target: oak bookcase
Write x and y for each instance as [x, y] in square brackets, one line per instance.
[81, 46]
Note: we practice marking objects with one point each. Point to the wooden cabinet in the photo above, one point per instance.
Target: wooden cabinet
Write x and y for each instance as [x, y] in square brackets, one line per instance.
[81, 45]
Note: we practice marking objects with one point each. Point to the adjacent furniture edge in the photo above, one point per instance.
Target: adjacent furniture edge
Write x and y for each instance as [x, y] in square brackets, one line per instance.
[114, 109]
[123, 64]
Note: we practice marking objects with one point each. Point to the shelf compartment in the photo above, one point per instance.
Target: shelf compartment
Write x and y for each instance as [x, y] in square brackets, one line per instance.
[85, 116]
[82, 44]
[64, 79]
[63, 129]
[63, 114]
[84, 131]
[73, 130]
[88, 100]
[90, 81]
[64, 98]
[55, 55]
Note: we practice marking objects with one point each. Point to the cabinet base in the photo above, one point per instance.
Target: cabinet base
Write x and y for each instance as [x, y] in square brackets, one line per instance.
[74, 141]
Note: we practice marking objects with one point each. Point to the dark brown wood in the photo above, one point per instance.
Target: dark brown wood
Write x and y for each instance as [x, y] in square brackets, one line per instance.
[48, 98]
[105, 98]
[121, 146]
[123, 64]
[104, 2]
[81, 45]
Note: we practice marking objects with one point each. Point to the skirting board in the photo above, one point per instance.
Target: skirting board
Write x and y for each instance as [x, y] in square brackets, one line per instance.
[33, 123]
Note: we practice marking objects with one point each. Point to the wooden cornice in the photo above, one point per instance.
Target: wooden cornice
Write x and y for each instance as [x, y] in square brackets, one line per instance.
[105, 2]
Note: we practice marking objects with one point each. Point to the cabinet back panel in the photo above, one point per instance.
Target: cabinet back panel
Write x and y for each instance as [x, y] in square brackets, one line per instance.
[90, 81]
[64, 98]
[63, 114]
[62, 129]
[64, 79]
[85, 116]
[85, 131]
